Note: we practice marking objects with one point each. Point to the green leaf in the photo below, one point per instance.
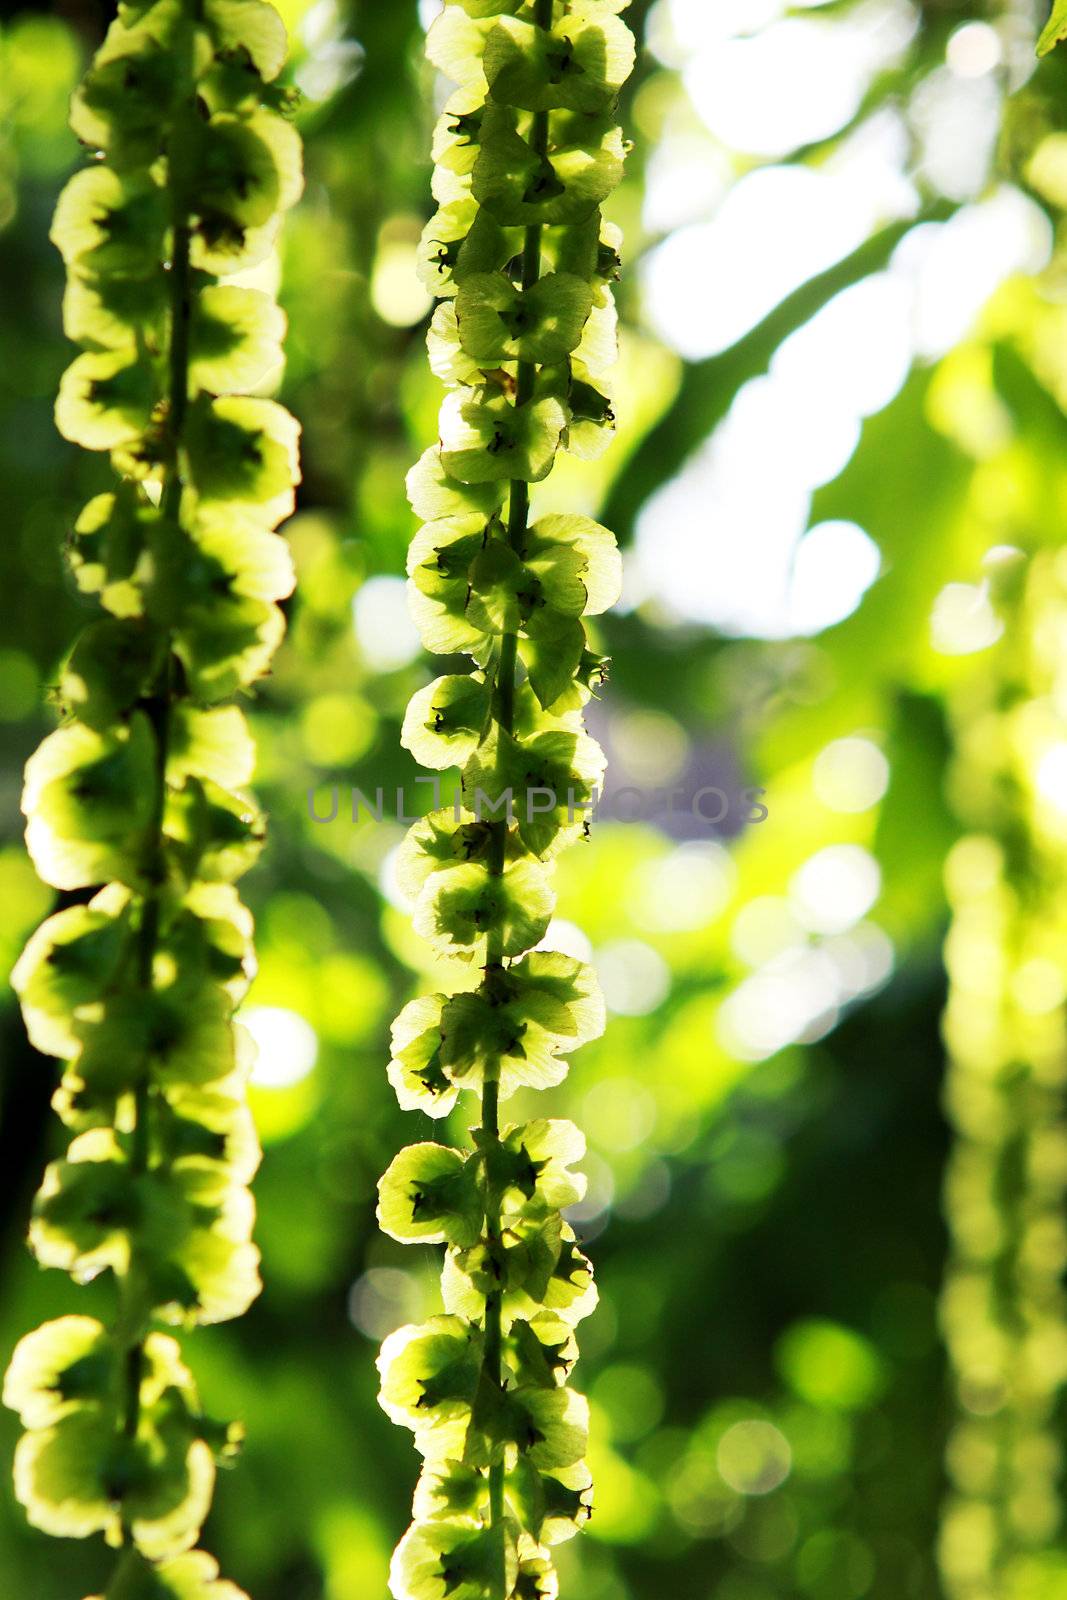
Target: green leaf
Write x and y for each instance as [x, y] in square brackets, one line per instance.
[579, 64]
[550, 1426]
[198, 1125]
[189, 1227]
[69, 1364]
[499, 322]
[491, 8]
[541, 1350]
[444, 722]
[197, 1239]
[456, 135]
[537, 1578]
[542, 1267]
[460, 906]
[486, 439]
[82, 1476]
[1055, 28]
[178, 1034]
[415, 1067]
[450, 1489]
[429, 1193]
[570, 1289]
[84, 1209]
[487, 247]
[88, 798]
[210, 935]
[598, 350]
[572, 983]
[553, 1505]
[220, 246]
[592, 418]
[500, 590]
[235, 339]
[445, 633]
[61, 1476]
[558, 590]
[170, 1497]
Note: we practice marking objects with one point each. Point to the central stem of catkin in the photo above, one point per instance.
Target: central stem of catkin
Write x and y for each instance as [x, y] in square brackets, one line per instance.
[158, 708]
[504, 711]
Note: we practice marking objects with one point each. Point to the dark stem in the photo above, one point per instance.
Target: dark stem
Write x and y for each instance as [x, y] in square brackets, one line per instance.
[178, 362]
[157, 707]
[504, 712]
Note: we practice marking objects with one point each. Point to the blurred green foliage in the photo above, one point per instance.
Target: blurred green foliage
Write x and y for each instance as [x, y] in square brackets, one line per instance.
[766, 1140]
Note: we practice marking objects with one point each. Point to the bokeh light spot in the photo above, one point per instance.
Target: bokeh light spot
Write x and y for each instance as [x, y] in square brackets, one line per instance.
[384, 1299]
[830, 1365]
[851, 774]
[634, 977]
[287, 1046]
[835, 887]
[754, 1457]
[384, 630]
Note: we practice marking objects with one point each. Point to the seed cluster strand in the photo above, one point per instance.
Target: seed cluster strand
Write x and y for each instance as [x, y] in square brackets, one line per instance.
[1004, 1308]
[526, 152]
[136, 805]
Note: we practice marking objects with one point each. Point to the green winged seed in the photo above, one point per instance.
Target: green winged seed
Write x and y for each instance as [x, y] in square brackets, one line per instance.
[453, 1559]
[415, 1070]
[243, 452]
[138, 795]
[485, 439]
[445, 721]
[429, 1194]
[461, 906]
[88, 801]
[191, 1576]
[578, 65]
[521, 261]
[498, 322]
